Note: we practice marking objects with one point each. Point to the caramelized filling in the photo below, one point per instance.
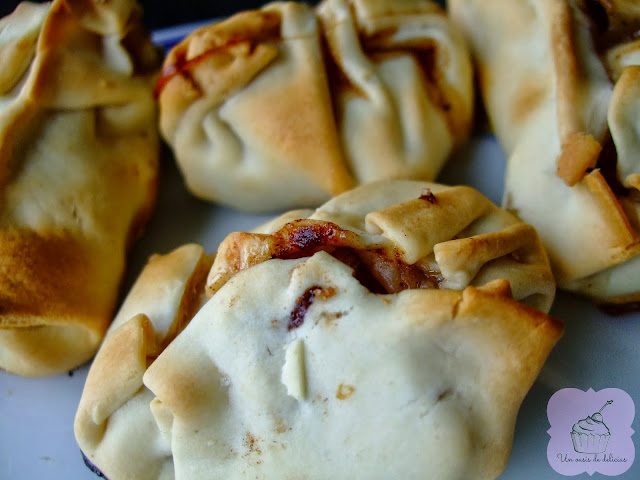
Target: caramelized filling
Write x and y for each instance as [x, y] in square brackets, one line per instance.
[379, 47]
[379, 269]
[261, 27]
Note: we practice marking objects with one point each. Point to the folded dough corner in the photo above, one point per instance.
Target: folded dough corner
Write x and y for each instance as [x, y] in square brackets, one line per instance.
[327, 346]
[78, 173]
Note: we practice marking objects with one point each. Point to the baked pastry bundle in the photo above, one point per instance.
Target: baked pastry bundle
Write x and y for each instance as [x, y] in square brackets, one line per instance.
[79, 150]
[560, 83]
[345, 342]
[286, 106]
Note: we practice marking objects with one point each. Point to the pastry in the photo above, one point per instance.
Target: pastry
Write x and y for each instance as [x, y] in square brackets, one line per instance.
[79, 149]
[559, 80]
[114, 417]
[404, 234]
[286, 106]
[296, 359]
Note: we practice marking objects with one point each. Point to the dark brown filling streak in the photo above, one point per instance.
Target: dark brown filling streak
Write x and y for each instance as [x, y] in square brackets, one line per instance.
[296, 318]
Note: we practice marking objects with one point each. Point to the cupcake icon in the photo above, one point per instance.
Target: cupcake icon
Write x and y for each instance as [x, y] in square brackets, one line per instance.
[591, 435]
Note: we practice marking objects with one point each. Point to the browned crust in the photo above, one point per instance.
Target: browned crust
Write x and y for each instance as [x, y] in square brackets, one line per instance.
[52, 279]
[224, 61]
[580, 52]
[580, 151]
[47, 349]
[68, 69]
[56, 301]
[110, 16]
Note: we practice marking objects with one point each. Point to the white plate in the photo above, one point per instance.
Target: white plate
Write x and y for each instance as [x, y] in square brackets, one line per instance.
[597, 351]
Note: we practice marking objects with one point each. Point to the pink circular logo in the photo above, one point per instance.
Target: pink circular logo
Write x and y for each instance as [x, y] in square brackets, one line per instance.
[590, 431]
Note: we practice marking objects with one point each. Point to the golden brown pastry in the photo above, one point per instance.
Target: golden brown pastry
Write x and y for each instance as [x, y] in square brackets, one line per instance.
[330, 348]
[560, 85]
[79, 152]
[287, 106]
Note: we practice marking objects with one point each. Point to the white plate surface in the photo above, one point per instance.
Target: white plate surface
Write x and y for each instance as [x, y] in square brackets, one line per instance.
[597, 351]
